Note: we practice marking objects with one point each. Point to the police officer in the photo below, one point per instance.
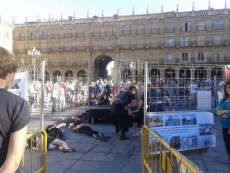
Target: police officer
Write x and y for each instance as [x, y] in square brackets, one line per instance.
[119, 111]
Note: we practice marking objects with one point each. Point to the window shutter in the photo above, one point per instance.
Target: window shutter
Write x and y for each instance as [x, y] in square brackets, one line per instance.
[189, 29]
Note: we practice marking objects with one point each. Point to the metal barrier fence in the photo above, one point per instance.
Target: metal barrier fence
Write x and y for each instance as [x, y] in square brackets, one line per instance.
[178, 88]
[159, 157]
[36, 161]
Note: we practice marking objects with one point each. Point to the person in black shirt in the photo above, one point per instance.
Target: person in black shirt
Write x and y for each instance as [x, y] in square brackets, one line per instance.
[119, 110]
[14, 117]
[88, 131]
[106, 97]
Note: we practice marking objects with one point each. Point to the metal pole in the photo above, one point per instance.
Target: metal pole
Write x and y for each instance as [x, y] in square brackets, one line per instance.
[59, 105]
[145, 91]
[34, 64]
[42, 94]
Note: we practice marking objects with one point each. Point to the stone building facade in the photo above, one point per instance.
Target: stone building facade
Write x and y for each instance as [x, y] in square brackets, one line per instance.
[192, 44]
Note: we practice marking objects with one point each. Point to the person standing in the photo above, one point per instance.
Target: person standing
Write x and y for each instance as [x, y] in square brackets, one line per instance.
[48, 92]
[119, 110]
[193, 90]
[14, 117]
[223, 111]
[54, 97]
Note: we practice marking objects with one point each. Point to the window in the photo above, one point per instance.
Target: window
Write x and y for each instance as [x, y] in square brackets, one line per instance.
[218, 25]
[169, 28]
[201, 40]
[201, 26]
[44, 35]
[20, 36]
[200, 56]
[22, 61]
[169, 42]
[184, 41]
[169, 57]
[218, 56]
[184, 57]
[217, 40]
[186, 27]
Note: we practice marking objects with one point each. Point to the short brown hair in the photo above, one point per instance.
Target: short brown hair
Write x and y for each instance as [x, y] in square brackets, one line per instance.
[8, 63]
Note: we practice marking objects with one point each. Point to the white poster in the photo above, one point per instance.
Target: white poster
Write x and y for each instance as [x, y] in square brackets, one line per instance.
[184, 130]
[19, 86]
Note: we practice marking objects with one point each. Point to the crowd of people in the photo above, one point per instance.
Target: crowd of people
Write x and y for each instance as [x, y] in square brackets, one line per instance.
[181, 93]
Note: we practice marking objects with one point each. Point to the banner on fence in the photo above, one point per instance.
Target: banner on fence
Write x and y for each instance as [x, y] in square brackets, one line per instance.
[19, 86]
[184, 130]
[227, 72]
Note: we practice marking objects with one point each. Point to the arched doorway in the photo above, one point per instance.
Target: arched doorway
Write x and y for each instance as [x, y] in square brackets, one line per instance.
[81, 73]
[154, 73]
[55, 75]
[200, 73]
[185, 73]
[218, 73]
[68, 75]
[170, 73]
[100, 65]
[47, 76]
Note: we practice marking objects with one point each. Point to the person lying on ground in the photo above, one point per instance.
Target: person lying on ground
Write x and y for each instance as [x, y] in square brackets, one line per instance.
[52, 143]
[55, 132]
[88, 131]
[68, 122]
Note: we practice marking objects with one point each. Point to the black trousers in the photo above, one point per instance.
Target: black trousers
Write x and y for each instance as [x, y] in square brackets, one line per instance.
[121, 119]
[54, 102]
[226, 137]
[88, 131]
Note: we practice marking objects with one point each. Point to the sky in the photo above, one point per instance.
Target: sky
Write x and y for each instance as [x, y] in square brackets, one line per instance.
[32, 8]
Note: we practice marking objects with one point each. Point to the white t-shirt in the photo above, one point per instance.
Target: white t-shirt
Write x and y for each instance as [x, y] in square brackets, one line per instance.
[193, 88]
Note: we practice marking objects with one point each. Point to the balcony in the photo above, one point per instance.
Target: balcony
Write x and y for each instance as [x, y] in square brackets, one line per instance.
[108, 33]
[140, 31]
[217, 27]
[154, 30]
[68, 35]
[21, 38]
[126, 32]
[80, 34]
[201, 27]
[169, 44]
[169, 29]
[96, 34]
[217, 60]
[43, 37]
[185, 29]
[20, 51]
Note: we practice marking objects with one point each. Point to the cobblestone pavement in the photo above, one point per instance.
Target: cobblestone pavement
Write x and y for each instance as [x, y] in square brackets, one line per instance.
[112, 155]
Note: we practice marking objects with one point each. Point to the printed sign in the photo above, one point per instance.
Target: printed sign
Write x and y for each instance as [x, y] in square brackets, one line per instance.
[184, 130]
[19, 85]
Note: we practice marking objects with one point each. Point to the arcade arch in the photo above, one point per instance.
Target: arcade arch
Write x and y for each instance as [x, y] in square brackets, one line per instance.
[100, 64]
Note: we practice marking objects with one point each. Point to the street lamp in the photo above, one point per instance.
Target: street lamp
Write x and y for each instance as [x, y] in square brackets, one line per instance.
[34, 53]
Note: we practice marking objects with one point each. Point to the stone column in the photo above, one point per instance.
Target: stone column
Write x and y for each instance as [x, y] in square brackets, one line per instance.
[162, 73]
[116, 70]
[208, 70]
[177, 69]
[192, 73]
[91, 68]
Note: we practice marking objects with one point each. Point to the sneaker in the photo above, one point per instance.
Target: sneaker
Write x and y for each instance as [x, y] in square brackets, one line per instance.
[70, 150]
[135, 135]
[124, 138]
[101, 135]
